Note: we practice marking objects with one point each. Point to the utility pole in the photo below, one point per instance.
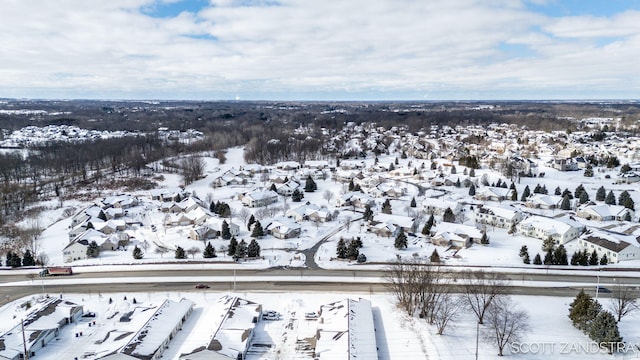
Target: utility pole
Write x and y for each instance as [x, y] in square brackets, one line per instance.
[477, 337]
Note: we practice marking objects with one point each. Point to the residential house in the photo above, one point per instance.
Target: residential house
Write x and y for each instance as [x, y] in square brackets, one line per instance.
[260, 198]
[492, 193]
[437, 206]
[150, 342]
[604, 212]
[564, 164]
[445, 232]
[283, 228]
[406, 223]
[497, 216]
[234, 325]
[355, 199]
[542, 201]
[309, 212]
[562, 230]
[617, 247]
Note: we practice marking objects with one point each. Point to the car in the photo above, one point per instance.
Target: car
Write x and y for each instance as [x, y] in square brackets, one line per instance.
[270, 315]
[602, 289]
[89, 315]
[311, 315]
[202, 286]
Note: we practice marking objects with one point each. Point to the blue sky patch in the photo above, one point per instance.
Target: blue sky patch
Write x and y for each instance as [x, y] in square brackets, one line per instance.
[559, 8]
[164, 10]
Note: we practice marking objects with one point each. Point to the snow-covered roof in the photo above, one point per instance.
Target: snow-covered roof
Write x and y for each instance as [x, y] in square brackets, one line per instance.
[549, 225]
[609, 241]
[499, 211]
[458, 229]
[397, 220]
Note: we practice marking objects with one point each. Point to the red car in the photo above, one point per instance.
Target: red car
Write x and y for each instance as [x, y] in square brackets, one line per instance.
[202, 286]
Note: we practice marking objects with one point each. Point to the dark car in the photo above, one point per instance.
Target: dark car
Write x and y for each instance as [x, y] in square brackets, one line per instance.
[202, 286]
[602, 289]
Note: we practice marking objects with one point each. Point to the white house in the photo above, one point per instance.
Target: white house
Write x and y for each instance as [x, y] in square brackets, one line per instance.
[408, 224]
[260, 198]
[542, 201]
[616, 247]
[497, 216]
[604, 212]
[562, 230]
[438, 206]
[283, 228]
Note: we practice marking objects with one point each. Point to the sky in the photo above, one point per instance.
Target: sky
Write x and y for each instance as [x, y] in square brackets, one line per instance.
[320, 49]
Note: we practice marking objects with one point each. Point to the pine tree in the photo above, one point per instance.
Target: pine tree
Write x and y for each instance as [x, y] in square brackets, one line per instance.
[453, 170]
[361, 258]
[297, 196]
[525, 193]
[27, 259]
[575, 258]
[102, 216]
[604, 331]
[241, 250]
[548, 244]
[560, 256]
[472, 190]
[558, 191]
[537, 189]
[93, 251]
[352, 250]
[604, 260]
[137, 253]
[537, 260]
[368, 213]
[584, 197]
[579, 190]
[351, 185]
[584, 258]
[593, 259]
[588, 172]
[514, 195]
[567, 193]
[252, 219]
[226, 233]
[209, 251]
[426, 230]
[448, 216]
[341, 249]
[435, 257]
[386, 207]
[601, 194]
[472, 173]
[273, 187]
[457, 183]
[566, 203]
[484, 240]
[401, 240]
[413, 202]
[13, 260]
[310, 185]
[253, 250]
[523, 251]
[548, 258]
[233, 244]
[526, 259]
[610, 199]
[625, 200]
[583, 310]
[180, 254]
[257, 230]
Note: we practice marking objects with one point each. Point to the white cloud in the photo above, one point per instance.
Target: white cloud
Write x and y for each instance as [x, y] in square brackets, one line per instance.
[255, 48]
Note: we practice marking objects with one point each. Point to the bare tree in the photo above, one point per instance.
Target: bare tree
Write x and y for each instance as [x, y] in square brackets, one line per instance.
[347, 222]
[328, 195]
[192, 169]
[244, 214]
[623, 302]
[506, 323]
[193, 251]
[161, 250]
[446, 311]
[480, 289]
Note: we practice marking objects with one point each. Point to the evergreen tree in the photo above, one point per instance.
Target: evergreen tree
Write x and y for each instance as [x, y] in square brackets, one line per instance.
[566, 203]
[102, 216]
[593, 259]
[484, 240]
[544, 190]
[583, 310]
[226, 233]
[601, 194]
[604, 331]
[241, 250]
[448, 216]
[453, 170]
[341, 249]
[435, 257]
[588, 172]
[560, 256]
[610, 199]
[386, 207]
[253, 250]
[413, 202]
[252, 219]
[180, 253]
[257, 230]
[273, 187]
[352, 250]
[583, 260]
[368, 213]
[472, 172]
[426, 230]
[584, 197]
[351, 185]
[472, 190]
[604, 260]
[627, 217]
[525, 193]
[209, 251]
[537, 189]
[548, 258]
[310, 185]
[457, 183]
[526, 259]
[625, 200]
[233, 244]
[566, 192]
[579, 190]
[523, 251]
[575, 258]
[548, 244]
[137, 253]
[514, 195]
[361, 258]
[13, 260]
[93, 251]
[296, 195]
[401, 240]
[537, 260]
[27, 259]
[557, 191]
